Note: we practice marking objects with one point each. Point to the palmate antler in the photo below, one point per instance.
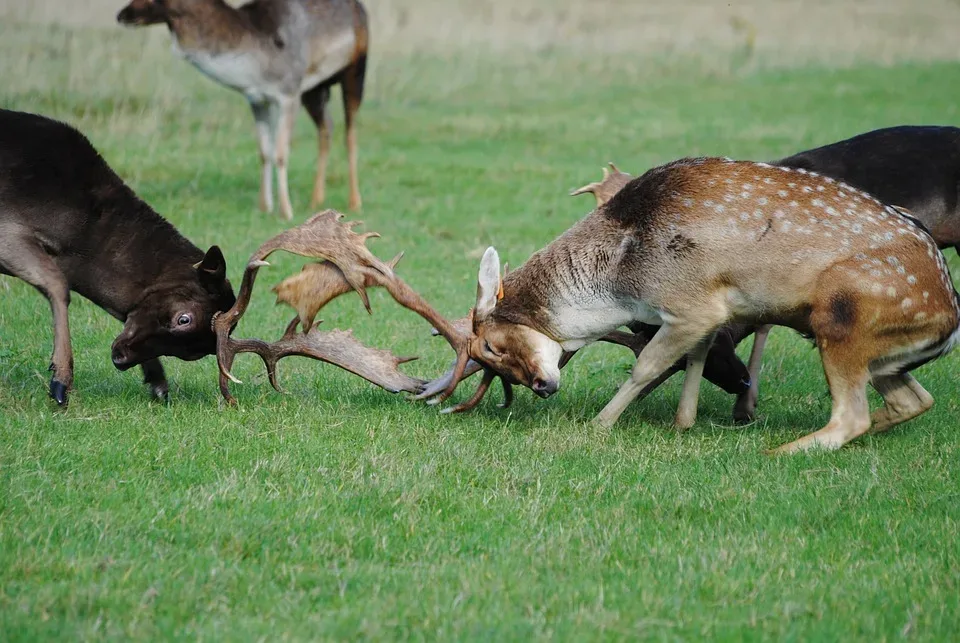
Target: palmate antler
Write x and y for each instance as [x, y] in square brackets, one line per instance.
[316, 285]
[323, 236]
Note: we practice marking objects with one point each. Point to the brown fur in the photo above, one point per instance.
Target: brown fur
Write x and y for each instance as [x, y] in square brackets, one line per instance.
[69, 223]
[767, 245]
[275, 52]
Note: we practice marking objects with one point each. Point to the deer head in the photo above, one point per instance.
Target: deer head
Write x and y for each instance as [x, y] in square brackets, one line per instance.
[141, 13]
[173, 317]
[518, 352]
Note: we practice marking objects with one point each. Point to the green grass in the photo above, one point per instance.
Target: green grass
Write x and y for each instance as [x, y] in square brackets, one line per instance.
[340, 511]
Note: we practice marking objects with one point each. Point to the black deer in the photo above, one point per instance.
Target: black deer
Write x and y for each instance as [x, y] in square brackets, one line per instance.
[69, 223]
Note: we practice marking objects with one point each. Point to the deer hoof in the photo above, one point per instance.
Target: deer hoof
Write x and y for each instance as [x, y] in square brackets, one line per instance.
[160, 392]
[58, 391]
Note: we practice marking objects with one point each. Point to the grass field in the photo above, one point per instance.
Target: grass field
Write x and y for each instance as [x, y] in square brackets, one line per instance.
[340, 511]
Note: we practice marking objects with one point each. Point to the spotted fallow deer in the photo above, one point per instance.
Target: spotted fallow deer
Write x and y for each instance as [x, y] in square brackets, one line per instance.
[915, 167]
[699, 243]
[275, 52]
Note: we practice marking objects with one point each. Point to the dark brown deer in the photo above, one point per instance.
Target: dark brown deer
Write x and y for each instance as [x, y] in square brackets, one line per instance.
[699, 243]
[275, 52]
[68, 222]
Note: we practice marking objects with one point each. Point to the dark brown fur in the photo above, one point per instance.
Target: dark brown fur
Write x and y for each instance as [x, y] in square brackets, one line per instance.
[69, 223]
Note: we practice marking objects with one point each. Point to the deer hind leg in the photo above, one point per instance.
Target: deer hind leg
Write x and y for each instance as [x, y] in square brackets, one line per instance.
[25, 259]
[155, 379]
[315, 102]
[847, 376]
[669, 344]
[264, 114]
[903, 399]
[745, 408]
[352, 85]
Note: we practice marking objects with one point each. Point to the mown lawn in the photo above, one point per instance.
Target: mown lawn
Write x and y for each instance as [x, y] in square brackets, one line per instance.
[340, 511]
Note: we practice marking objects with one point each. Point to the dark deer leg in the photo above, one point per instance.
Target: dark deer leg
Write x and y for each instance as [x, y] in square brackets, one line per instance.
[26, 260]
[315, 102]
[352, 85]
[155, 379]
[745, 409]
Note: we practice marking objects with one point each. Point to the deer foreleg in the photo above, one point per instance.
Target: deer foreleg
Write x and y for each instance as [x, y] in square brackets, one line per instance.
[155, 379]
[667, 346]
[687, 408]
[263, 115]
[287, 116]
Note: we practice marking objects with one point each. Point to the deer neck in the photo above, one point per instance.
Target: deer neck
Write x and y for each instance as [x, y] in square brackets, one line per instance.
[568, 290]
[136, 250]
[211, 27]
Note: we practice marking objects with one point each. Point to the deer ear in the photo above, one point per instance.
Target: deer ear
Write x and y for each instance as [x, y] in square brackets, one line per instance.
[213, 266]
[489, 288]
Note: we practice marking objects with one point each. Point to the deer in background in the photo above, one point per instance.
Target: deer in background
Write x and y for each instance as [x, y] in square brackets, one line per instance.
[699, 243]
[275, 52]
[69, 223]
[917, 168]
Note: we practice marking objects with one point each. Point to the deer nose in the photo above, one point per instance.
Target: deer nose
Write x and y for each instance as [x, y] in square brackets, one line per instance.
[120, 358]
[545, 388]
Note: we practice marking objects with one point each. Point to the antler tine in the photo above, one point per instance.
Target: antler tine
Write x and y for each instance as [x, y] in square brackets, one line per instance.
[488, 376]
[589, 188]
[337, 347]
[603, 190]
[434, 388]
[224, 322]
[507, 394]
[459, 340]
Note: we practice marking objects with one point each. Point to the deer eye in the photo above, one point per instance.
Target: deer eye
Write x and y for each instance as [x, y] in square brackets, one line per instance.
[184, 320]
[489, 349]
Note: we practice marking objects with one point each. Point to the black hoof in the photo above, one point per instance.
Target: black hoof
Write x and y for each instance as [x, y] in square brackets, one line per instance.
[742, 417]
[160, 392]
[58, 391]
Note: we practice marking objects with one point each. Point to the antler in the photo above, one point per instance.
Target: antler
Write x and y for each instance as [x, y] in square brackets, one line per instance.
[317, 285]
[324, 237]
[634, 341]
[604, 189]
[337, 347]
